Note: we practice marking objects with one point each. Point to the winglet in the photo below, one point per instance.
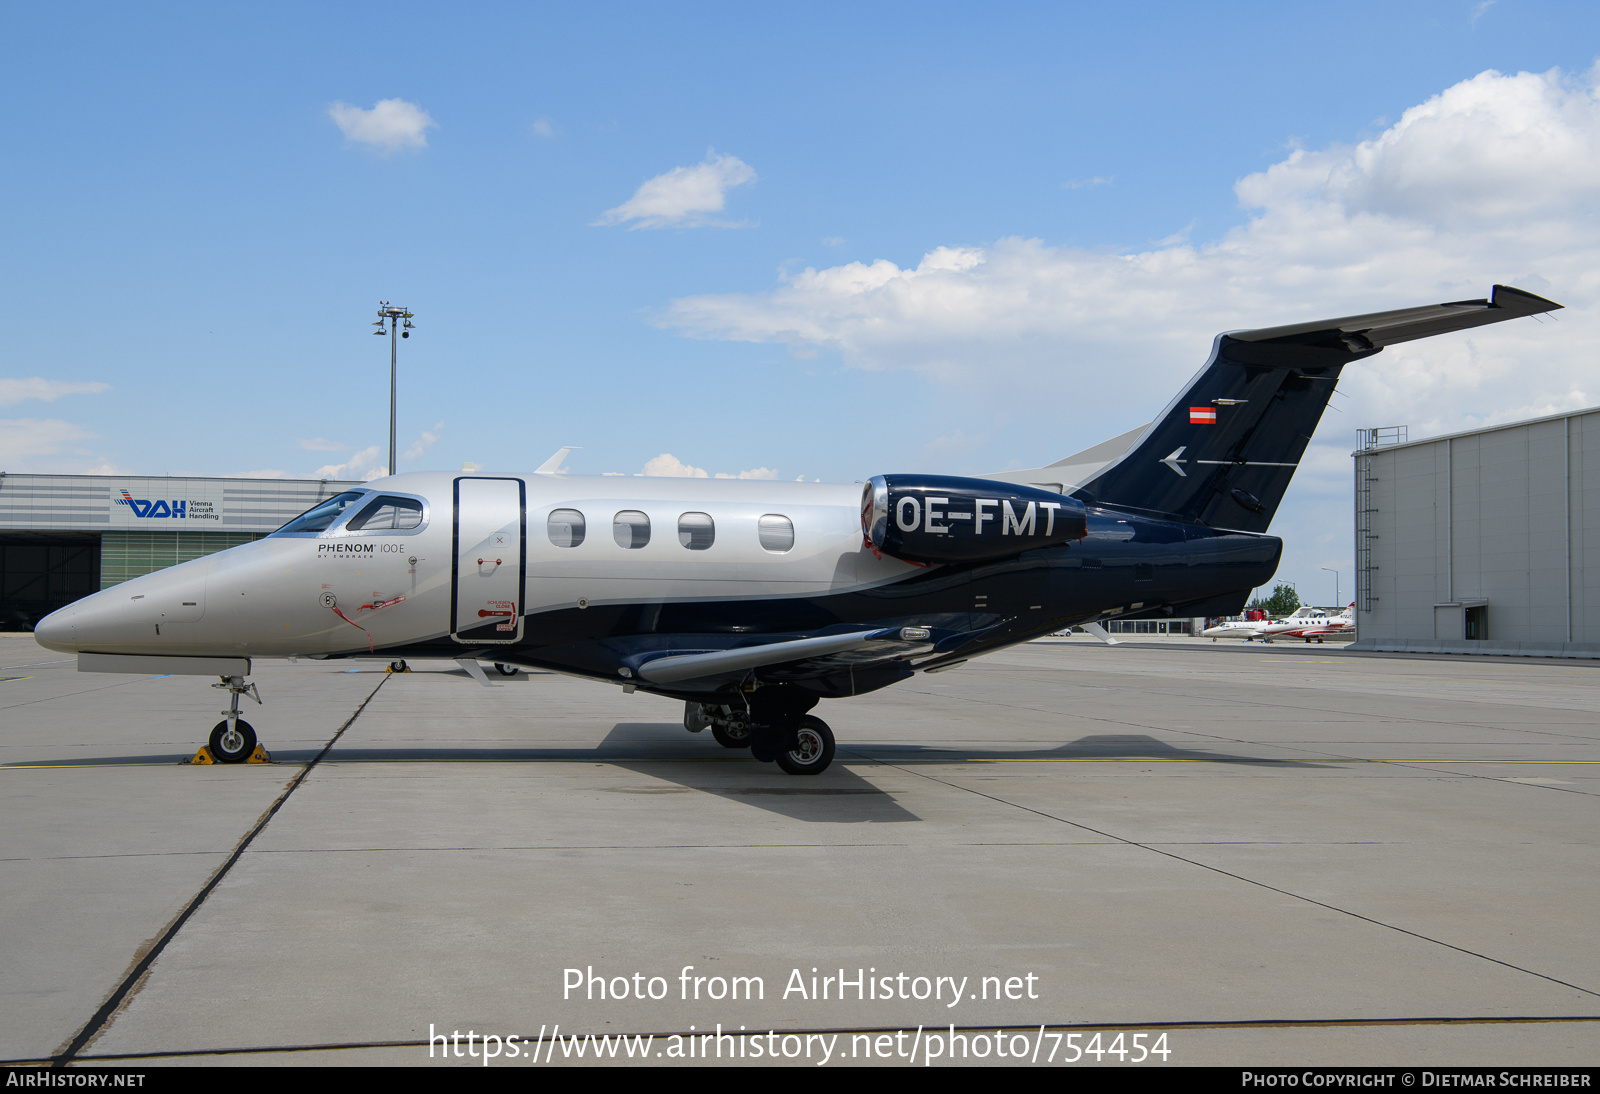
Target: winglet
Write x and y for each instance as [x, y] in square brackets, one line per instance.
[553, 464]
[1101, 633]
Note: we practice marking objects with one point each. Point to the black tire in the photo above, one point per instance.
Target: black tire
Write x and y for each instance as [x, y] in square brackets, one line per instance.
[505, 670]
[729, 738]
[815, 752]
[244, 744]
[397, 666]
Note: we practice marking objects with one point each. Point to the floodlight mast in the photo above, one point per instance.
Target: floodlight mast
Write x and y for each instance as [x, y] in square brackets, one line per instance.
[399, 324]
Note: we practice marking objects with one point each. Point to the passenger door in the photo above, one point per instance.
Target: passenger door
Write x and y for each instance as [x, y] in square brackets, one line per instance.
[489, 561]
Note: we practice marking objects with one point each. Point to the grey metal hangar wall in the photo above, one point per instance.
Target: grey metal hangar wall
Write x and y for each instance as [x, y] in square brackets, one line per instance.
[65, 536]
[1485, 542]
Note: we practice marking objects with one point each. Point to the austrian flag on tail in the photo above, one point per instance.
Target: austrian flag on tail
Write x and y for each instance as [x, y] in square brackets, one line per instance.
[1202, 415]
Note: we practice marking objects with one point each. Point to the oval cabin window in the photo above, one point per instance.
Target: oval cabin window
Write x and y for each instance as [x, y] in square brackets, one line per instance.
[566, 527]
[631, 529]
[696, 531]
[777, 533]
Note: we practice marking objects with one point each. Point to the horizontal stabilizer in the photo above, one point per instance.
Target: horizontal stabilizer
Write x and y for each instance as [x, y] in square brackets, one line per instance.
[1386, 328]
[1224, 450]
[1064, 474]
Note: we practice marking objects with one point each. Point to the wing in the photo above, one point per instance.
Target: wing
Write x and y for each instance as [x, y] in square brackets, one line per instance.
[816, 656]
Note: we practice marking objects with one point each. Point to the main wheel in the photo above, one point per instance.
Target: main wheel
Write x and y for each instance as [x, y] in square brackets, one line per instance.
[734, 736]
[234, 747]
[398, 666]
[815, 752]
[505, 670]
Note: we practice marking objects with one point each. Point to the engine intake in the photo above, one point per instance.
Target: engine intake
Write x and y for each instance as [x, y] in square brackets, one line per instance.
[940, 518]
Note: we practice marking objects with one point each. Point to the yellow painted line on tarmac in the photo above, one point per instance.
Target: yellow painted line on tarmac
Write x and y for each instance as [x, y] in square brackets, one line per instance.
[1093, 760]
[1239, 759]
[1484, 761]
[609, 760]
[9, 679]
[404, 760]
[145, 763]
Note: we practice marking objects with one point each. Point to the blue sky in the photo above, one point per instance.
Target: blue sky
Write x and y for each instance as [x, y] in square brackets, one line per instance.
[1022, 226]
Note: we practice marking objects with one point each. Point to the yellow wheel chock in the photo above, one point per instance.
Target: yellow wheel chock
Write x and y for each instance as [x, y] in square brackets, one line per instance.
[259, 756]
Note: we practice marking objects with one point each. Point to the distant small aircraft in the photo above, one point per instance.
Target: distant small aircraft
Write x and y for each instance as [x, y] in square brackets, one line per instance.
[1301, 619]
[1331, 626]
[752, 601]
[1247, 629]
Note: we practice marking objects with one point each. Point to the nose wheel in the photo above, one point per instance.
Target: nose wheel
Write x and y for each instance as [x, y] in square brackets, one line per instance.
[233, 740]
[232, 743]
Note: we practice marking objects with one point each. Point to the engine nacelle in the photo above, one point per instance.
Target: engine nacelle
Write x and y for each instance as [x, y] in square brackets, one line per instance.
[939, 518]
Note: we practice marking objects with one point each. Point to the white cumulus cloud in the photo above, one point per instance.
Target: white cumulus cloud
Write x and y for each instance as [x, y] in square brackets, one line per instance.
[363, 466]
[391, 124]
[24, 441]
[36, 387]
[1496, 179]
[684, 197]
[425, 440]
[667, 465]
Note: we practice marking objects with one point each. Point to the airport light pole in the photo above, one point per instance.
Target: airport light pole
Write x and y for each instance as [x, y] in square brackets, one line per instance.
[1337, 602]
[399, 323]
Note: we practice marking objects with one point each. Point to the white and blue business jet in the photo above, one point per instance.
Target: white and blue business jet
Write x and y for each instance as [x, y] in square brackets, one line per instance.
[752, 601]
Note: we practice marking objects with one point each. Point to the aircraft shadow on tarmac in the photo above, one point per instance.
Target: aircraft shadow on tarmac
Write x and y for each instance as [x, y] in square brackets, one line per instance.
[694, 762]
[1107, 747]
[837, 796]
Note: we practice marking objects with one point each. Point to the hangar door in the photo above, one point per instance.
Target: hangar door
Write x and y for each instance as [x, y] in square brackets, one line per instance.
[489, 561]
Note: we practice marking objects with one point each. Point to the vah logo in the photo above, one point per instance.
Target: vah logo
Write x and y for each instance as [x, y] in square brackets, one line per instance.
[158, 508]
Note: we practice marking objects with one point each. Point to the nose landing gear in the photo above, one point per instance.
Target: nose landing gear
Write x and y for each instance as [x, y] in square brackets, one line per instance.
[233, 740]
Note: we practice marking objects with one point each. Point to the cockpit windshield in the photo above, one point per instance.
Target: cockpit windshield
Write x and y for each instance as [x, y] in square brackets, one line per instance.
[322, 515]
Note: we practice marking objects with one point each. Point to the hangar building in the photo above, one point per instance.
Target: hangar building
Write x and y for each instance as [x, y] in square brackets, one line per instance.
[1484, 542]
[65, 536]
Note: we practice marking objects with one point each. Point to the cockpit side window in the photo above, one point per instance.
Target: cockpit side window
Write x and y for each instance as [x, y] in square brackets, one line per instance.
[320, 517]
[387, 514]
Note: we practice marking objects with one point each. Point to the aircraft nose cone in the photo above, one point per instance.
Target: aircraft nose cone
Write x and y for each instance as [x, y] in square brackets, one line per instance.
[148, 614]
[56, 632]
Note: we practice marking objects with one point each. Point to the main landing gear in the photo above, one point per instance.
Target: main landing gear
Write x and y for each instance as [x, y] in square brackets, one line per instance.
[774, 727]
[814, 748]
[233, 740]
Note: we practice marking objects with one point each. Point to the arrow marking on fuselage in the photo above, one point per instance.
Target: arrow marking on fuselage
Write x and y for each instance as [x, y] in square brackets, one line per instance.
[1173, 461]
